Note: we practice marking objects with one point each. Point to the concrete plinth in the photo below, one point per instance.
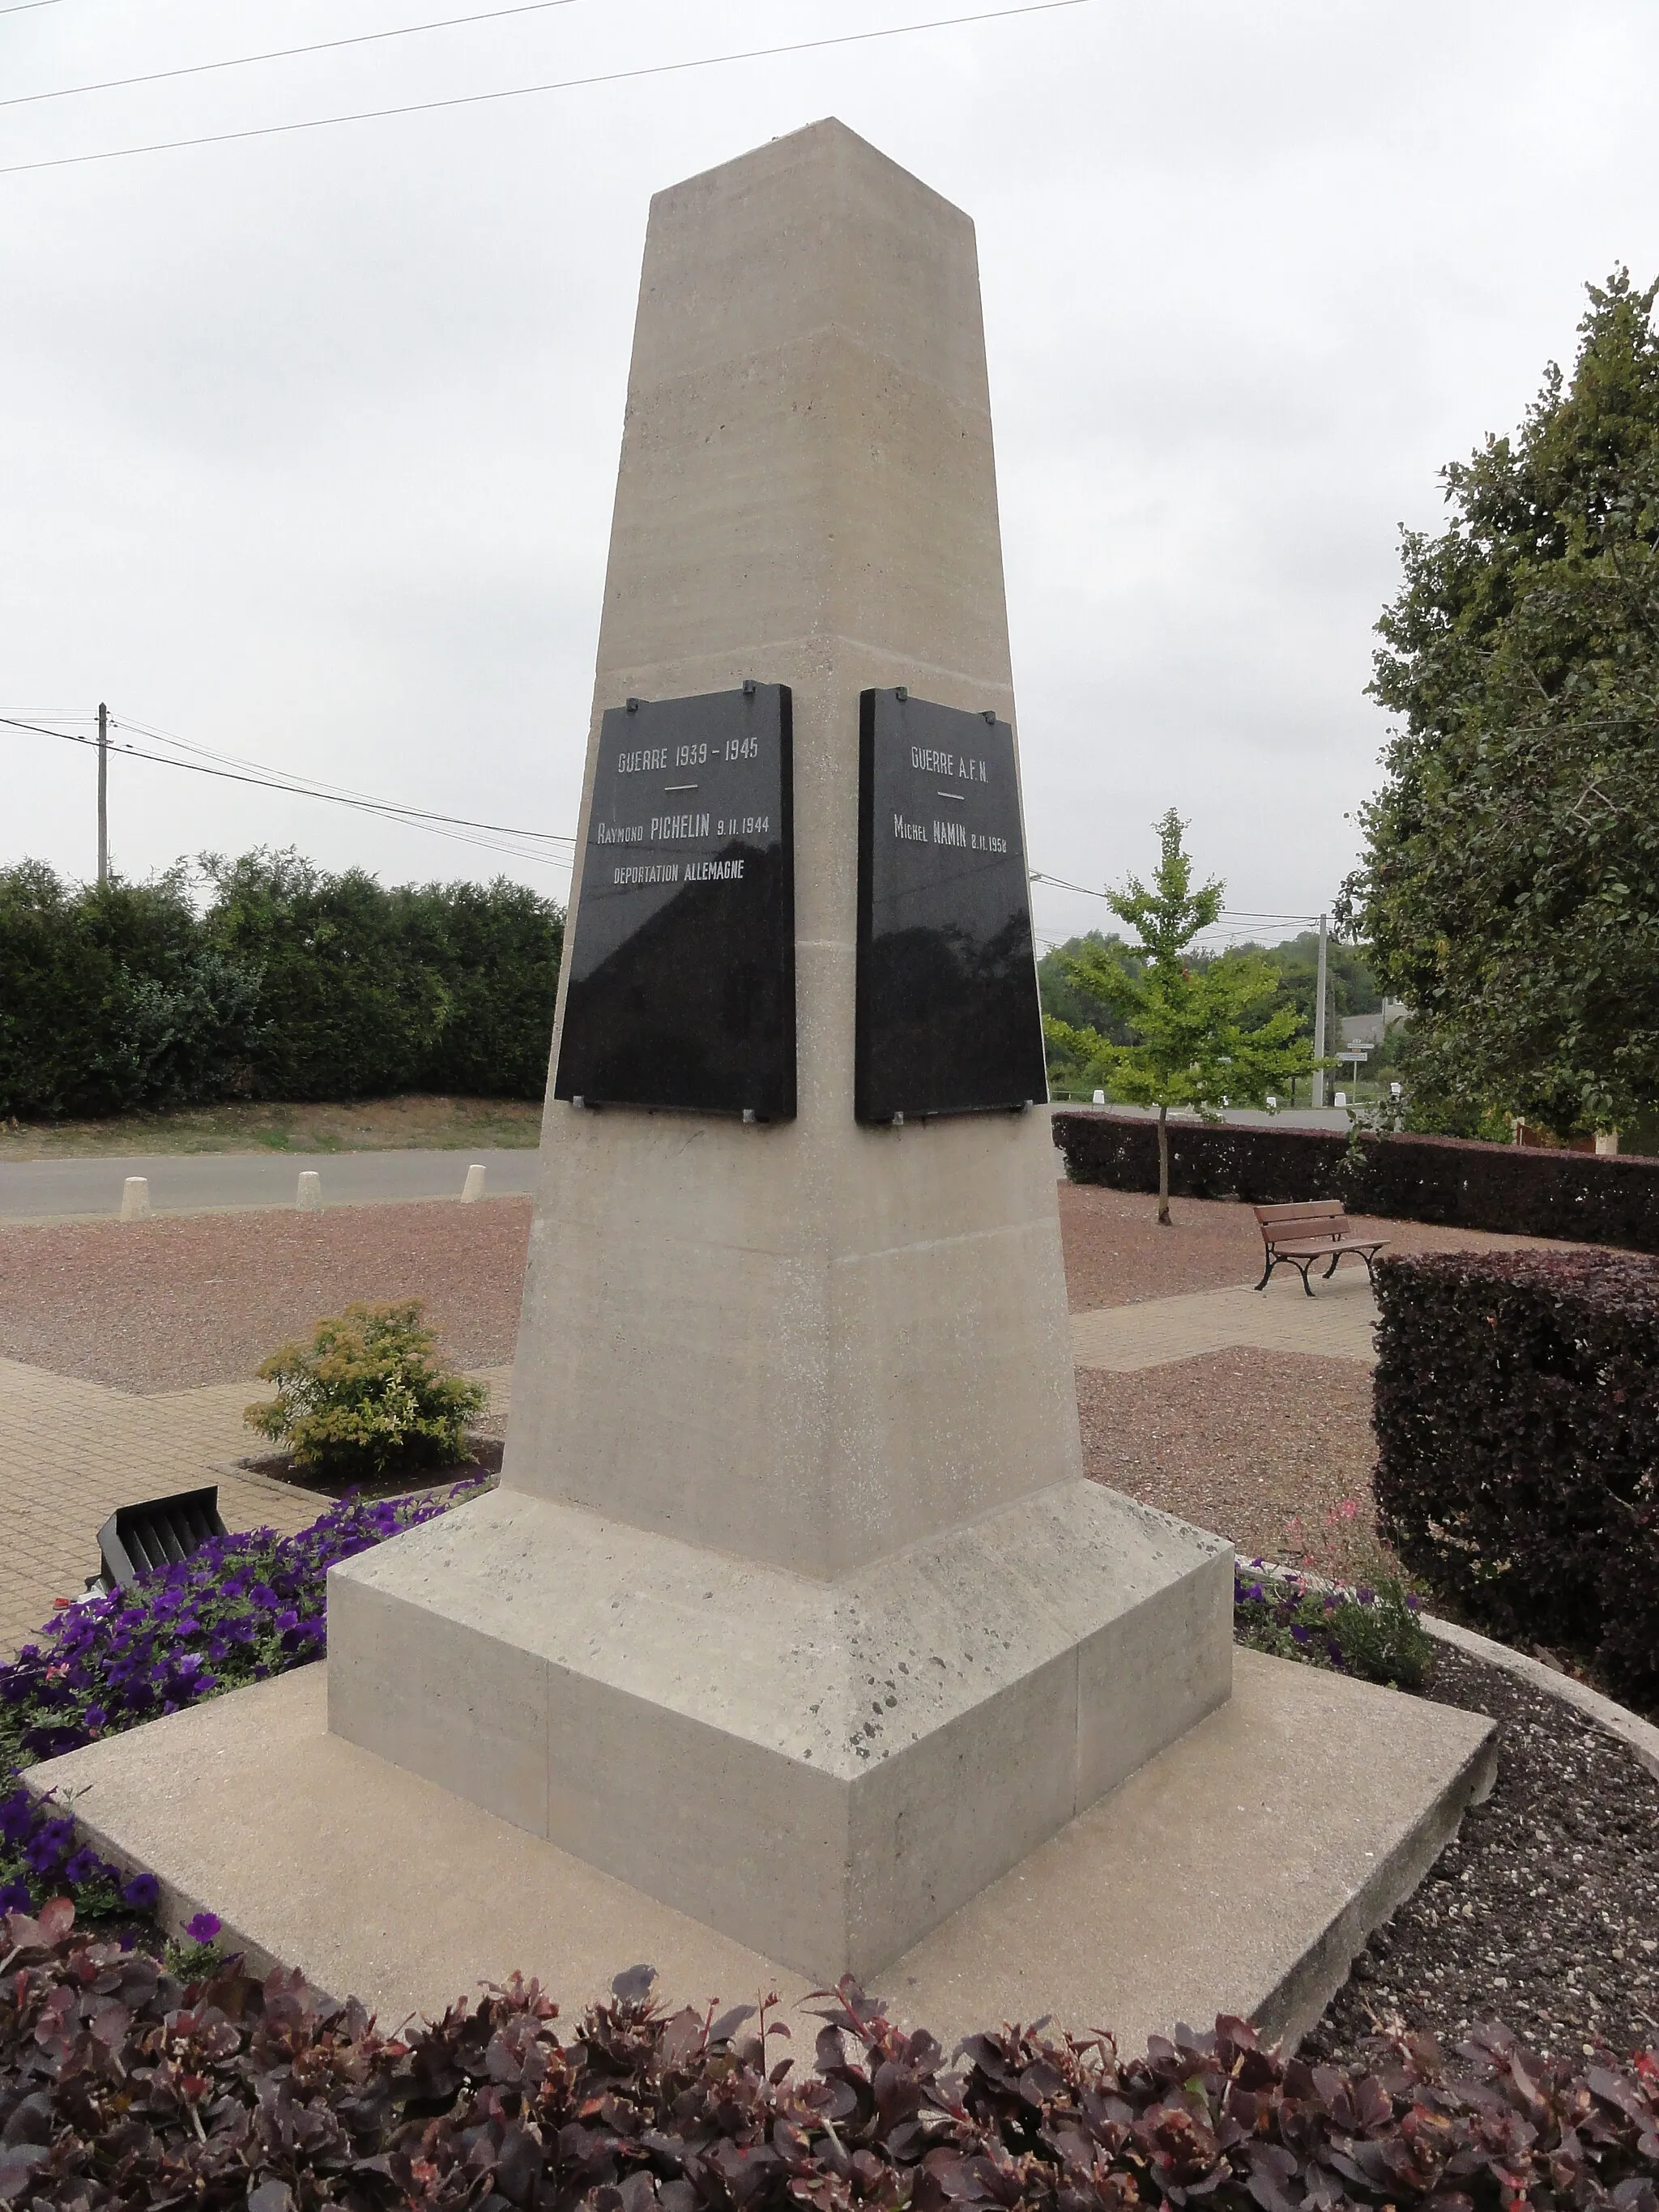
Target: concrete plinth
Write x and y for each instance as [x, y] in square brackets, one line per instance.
[1238, 1872]
[823, 1772]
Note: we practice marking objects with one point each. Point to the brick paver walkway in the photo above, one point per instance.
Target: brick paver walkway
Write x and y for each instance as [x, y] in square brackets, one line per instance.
[71, 1452]
[1336, 1323]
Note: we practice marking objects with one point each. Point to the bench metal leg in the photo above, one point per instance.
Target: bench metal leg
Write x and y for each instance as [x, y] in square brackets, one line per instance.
[1286, 1259]
[1331, 1270]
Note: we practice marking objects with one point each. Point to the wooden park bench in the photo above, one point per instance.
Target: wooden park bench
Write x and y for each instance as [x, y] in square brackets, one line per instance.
[1315, 1229]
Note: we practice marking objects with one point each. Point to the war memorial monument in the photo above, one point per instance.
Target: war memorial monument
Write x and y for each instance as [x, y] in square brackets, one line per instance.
[794, 1629]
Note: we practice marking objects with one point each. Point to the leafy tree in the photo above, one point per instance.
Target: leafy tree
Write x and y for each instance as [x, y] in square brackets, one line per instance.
[354, 1009]
[110, 1002]
[1187, 1017]
[117, 998]
[1075, 1009]
[1510, 886]
[369, 992]
[1350, 982]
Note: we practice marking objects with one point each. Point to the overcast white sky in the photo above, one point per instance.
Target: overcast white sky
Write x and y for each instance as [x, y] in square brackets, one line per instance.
[307, 443]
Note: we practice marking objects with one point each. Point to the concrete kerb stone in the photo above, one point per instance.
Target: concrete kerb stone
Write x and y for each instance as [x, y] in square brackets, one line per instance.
[24, 1221]
[1638, 1736]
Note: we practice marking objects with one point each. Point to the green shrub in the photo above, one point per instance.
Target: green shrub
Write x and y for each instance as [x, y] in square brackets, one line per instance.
[110, 1002]
[366, 1395]
[294, 983]
[1373, 1633]
[367, 992]
[1517, 1432]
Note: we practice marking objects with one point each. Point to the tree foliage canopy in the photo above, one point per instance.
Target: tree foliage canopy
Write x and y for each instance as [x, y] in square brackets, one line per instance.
[1509, 888]
[290, 982]
[1198, 1029]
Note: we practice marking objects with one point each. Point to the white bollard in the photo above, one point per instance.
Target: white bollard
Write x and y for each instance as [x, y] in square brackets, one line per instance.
[135, 1199]
[309, 1196]
[1341, 1098]
[1100, 1097]
[472, 1188]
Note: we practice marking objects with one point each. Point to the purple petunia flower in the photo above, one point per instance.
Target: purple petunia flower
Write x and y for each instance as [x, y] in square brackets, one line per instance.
[143, 1893]
[85, 1866]
[15, 1898]
[203, 1928]
[17, 1812]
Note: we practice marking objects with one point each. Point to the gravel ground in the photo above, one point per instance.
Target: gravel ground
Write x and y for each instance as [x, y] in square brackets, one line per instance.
[1544, 1912]
[1272, 1450]
[1117, 1255]
[1555, 1881]
[168, 1304]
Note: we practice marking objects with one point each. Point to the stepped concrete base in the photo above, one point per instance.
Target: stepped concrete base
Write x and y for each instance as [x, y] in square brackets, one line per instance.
[1237, 1872]
[821, 1770]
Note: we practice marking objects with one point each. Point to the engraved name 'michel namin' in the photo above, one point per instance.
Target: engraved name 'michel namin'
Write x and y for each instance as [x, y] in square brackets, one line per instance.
[682, 991]
[948, 1016]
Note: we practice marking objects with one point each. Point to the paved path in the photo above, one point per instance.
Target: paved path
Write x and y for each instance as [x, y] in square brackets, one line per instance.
[71, 1452]
[43, 1190]
[1336, 1323]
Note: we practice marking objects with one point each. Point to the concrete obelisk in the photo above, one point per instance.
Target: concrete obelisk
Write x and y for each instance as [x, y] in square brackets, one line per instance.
[793, 1608]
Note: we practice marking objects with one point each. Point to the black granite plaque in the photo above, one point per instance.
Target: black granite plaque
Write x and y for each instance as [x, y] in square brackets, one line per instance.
[683, 966]
[948, 1019]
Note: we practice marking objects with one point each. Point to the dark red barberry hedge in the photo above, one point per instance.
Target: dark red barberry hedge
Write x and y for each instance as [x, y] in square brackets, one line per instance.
[1513, 1188]
[1517, 1430]
[120, 2087]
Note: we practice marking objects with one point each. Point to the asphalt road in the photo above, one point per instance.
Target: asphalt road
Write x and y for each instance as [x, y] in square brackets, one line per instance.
[46, 1190]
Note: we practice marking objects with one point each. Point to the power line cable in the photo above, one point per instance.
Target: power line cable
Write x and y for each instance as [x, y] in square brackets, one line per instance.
[22, 7]
[1227, 914]
[453, 827]
[527, 91]
[315, 786]
[278, 53]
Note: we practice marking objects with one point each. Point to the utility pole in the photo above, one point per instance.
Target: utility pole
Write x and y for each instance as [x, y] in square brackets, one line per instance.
[103, 792]
[1319, 1020]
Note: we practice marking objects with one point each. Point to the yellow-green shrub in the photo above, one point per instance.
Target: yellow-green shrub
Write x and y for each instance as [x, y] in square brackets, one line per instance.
[366, 1394]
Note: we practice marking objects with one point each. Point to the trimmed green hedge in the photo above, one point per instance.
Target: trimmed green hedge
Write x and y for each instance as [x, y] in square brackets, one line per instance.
[292, 984]
[1612, 1199]
[1517, 1432]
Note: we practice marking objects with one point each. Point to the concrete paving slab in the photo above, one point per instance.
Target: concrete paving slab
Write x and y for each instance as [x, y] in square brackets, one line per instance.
[1239, 1871]
[1339, 1322]
[206, 1182]
[72, 1451]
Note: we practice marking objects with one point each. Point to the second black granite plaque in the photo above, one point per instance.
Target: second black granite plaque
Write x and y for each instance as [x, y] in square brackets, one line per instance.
[682, 965]
[948, 1018]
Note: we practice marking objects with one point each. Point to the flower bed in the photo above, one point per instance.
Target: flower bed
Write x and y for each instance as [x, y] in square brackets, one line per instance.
[125, 2088]
[129, 2079]
[241, 1609]
[1374, 1634]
